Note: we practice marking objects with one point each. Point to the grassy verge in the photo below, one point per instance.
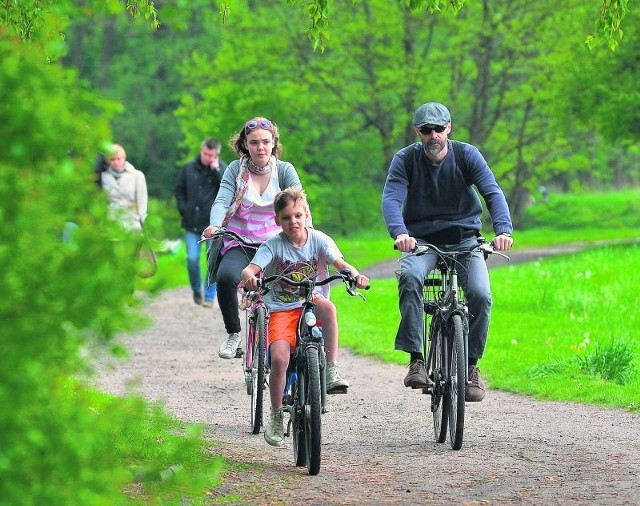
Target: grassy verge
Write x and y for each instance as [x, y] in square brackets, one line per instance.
[562, 329]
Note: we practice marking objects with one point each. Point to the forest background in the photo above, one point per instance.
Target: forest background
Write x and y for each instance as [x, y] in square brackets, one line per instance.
[518, 77]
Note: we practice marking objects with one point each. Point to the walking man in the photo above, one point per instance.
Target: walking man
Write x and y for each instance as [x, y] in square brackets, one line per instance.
[196, 189]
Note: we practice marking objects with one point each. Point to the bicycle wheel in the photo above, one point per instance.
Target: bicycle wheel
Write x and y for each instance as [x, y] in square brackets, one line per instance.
[297, 421]
[258, 369]
[457, 384]
[439, 399]
[312, 413]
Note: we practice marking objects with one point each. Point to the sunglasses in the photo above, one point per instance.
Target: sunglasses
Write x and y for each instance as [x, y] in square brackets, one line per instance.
[259, 123]
[425, 130]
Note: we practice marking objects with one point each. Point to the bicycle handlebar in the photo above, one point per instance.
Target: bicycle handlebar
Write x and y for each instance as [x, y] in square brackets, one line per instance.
[221, 232]
[485, 247]
[308, 283]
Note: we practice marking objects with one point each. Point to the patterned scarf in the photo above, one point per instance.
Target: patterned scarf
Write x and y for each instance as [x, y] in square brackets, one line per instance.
[242, 184]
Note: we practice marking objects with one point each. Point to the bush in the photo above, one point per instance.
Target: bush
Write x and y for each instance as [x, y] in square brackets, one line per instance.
[614, 362]
[63, 300]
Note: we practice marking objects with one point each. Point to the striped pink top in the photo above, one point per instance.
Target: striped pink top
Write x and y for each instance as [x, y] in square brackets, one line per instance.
[255, 219]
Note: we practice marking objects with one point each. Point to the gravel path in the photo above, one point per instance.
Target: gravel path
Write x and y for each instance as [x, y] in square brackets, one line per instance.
[377, 440]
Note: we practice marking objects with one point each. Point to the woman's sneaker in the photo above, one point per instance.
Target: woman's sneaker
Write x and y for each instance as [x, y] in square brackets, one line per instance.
[229, 347]
[274, 431]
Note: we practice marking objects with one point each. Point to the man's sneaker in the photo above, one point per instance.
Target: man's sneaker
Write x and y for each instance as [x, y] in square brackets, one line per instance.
[417, 375]
[197, 298]
[335, 384]
[475, 388]
[207, 303]
[274, 431]
[230, 345]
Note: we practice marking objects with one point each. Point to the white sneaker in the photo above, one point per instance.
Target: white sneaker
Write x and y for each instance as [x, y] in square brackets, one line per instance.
[274, 431]
[230, 345]
[335, 384]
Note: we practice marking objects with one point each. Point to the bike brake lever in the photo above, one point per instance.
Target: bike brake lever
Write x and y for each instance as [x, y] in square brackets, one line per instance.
[488, 248]
[420, 250]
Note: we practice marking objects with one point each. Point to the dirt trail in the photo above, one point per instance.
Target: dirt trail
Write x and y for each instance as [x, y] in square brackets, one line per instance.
[377, 440]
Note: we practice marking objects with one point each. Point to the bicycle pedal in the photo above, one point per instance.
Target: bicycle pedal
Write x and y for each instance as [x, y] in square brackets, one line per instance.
[239, 353]
[427, 390]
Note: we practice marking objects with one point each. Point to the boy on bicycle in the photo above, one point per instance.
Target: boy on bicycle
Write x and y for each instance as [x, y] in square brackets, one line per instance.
[297, 252]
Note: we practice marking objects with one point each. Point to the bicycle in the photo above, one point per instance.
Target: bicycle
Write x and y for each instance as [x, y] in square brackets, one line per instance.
[305, 396]
[446, 347]
[254, 365]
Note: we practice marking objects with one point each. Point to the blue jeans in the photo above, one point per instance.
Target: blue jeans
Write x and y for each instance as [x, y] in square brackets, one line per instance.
[474, 279]
[193, 266]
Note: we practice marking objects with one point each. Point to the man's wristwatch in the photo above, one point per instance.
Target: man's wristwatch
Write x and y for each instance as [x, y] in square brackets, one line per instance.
[505, 233]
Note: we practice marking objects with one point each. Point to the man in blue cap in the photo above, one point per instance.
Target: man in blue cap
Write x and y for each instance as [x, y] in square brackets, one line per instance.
[429, 197]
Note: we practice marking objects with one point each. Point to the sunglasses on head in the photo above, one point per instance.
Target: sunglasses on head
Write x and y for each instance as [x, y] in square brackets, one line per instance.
[258, 123]
[425, 130]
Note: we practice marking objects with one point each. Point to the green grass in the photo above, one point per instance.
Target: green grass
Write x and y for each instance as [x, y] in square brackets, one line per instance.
[558, 327]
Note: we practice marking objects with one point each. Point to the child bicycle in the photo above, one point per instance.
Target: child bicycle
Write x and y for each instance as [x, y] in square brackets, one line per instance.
[305, 396]
[446, 348]
[254, 365]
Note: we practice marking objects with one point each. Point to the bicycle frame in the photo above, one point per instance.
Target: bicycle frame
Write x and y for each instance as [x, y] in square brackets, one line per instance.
[441, 306]
[254, 364]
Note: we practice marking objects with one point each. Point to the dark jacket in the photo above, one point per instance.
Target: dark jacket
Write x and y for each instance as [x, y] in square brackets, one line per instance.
[196, 189]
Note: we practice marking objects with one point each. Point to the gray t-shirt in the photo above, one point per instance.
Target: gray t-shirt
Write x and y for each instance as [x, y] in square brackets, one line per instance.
[278, 256]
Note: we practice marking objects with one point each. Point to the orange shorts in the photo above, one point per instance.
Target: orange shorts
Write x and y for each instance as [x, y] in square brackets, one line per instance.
[283, 326]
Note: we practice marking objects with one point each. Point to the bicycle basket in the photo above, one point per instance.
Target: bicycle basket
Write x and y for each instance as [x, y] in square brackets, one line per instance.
[432, 291]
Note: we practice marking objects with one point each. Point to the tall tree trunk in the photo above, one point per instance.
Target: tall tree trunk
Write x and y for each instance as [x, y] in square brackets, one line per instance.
[109, 38]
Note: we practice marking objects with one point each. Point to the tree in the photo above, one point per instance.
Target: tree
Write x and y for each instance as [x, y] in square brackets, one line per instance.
[608, 28]
[346, 111]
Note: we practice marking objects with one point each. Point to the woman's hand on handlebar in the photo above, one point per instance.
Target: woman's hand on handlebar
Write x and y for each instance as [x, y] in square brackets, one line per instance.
[209, 232]
[405, 243]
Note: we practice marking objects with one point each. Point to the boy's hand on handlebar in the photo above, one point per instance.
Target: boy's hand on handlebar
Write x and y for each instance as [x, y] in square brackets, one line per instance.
[362, 282]
[251, 284]
[209, 232]
[405, 243]
[502, 242]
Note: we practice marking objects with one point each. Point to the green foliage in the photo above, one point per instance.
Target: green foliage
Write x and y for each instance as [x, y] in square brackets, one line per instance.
[44, 21]
[511, 101]
[68, 279]
[598, 90]
[608, 26]
[137, 69]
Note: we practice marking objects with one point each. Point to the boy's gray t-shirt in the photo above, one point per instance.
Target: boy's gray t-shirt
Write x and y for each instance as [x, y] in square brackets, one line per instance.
[278, 256]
